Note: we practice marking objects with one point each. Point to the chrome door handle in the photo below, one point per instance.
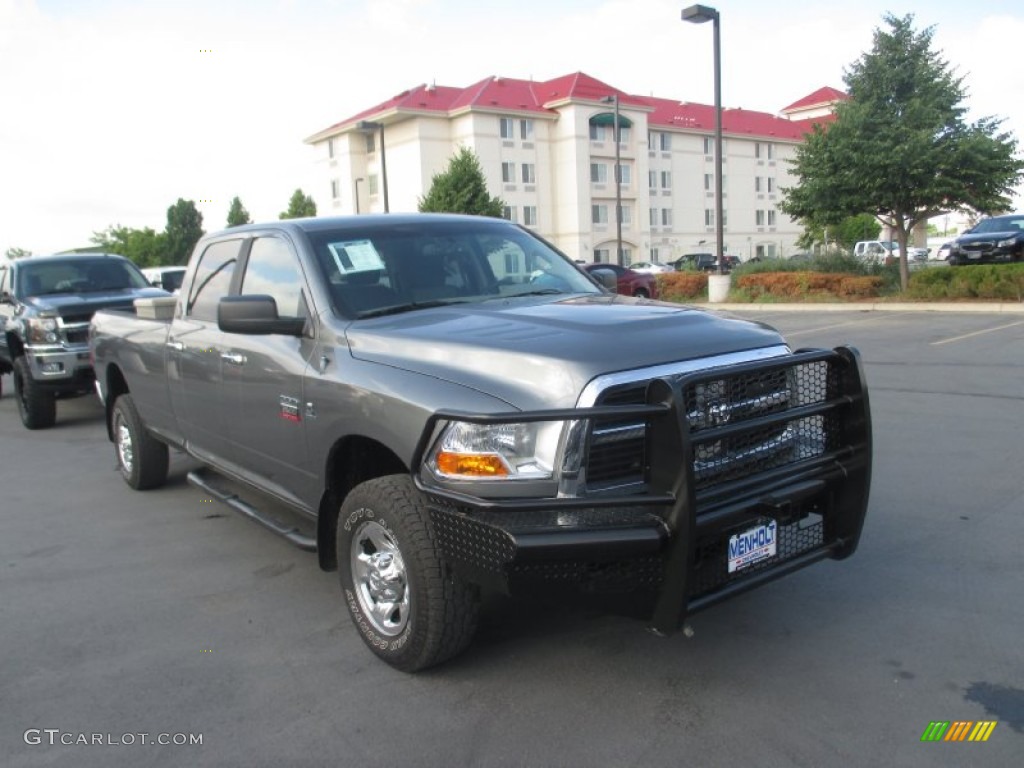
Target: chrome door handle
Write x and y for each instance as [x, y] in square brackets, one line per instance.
[177, 346]
[233, 357]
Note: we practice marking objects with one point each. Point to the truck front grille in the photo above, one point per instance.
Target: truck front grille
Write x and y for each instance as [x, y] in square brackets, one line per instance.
[617, 451]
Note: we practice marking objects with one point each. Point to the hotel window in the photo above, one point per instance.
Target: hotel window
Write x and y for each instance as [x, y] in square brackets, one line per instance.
[335, 189]
[666, 179]
[530, 215]
[654, 255]
[652, 179]
[757, 183]
[529, 173]
[601, 255]
[599, 214]
[371, 184]
[771, 184]
[508, 128]
[666, 142]
[371, 142]
[508, 173]
[709, 145]
[330, 147]
[666, 217]
[653, 216]
[598, 132]
[625, 175]
[771, 218]
[709, 217]
[526, 130]
[627, 215]
[709, 181]
[509, 212]
[759, 218]
[598, 173]
[652, 140]
[624, 134]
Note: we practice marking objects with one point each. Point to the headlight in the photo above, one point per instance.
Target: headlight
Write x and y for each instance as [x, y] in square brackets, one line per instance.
[41, 330]
[1007, 243]
[496, 451]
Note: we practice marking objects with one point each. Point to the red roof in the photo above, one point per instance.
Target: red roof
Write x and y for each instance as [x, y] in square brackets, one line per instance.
[820, 97]
[510, 94]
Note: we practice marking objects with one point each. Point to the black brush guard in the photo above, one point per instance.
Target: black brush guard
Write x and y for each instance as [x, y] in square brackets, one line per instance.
[670, 541]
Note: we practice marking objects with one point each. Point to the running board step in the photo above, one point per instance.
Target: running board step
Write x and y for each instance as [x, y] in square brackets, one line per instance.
[233, 500]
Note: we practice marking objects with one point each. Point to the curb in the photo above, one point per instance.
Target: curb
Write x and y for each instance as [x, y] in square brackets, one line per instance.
[996, 307]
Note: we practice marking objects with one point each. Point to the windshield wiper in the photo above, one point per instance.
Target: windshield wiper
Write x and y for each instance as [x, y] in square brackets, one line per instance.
[398, 309]
[538, 292]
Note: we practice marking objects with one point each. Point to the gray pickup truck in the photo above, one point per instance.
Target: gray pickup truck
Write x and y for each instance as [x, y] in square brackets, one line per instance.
[46, 303]
[443, 404]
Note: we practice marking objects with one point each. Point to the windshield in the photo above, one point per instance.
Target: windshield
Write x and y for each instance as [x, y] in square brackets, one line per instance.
[78, 275]
[383, 269]
[1002, 224]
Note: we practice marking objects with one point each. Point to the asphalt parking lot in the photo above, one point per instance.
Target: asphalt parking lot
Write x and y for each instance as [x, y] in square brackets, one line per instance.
[165, 613]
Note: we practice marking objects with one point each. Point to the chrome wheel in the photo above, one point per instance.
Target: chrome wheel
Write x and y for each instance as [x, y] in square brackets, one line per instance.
[125, 451]
[379, 577]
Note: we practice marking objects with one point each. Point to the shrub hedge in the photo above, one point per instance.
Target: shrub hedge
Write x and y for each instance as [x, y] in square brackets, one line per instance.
[802, 285]
[977, 281]
[682, 286]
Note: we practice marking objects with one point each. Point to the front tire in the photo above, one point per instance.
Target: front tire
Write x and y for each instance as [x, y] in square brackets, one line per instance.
[37, 407]
[408, 608]
[141, 459]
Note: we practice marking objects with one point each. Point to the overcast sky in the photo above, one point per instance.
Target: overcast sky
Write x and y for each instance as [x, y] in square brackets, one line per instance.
[111, 110]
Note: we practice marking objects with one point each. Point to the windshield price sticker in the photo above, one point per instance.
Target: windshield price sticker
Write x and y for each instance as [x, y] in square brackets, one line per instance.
[752, 546]
[356, 256]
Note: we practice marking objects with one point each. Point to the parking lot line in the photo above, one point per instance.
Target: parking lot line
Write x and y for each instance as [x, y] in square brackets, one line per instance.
[976, 333]
[835, 325]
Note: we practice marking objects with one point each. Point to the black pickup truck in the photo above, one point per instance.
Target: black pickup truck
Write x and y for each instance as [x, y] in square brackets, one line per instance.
[445, 403]
[46, 303]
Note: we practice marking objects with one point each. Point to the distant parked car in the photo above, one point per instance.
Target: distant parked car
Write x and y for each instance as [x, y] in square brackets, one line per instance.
[630, 282]
[943, 251]
[1000, 238]
[649, 267]
[704, 262]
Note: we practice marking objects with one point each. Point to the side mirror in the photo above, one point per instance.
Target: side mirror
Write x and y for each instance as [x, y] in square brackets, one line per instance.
[6, 298]
[255, 315]
[606, 278]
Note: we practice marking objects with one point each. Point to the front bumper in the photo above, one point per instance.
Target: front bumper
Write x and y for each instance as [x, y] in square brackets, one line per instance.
[63, 368]
[670, 543]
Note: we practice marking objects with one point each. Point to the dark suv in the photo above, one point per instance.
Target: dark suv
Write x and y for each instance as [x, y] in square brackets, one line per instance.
[704, 262]
[46, 303]
[1000, 238]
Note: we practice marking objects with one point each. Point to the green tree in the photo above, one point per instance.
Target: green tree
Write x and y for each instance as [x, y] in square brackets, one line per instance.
[299, 205]
[17, 253]
[145, 247]
[845, 234]
[900, 147]
[461, 189]
[237, 215]
[184, 228]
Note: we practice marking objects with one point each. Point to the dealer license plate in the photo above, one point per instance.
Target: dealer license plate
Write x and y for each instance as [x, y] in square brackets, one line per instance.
[752, 546]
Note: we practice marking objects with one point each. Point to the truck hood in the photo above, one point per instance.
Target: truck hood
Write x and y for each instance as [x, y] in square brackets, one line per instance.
[538, 353]
[79, 307]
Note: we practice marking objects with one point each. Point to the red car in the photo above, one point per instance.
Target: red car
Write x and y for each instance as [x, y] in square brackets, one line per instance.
[630, 283]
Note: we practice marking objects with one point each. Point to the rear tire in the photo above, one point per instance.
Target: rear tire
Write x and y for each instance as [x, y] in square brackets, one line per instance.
[141, 458]
[36, 406]
[408, 608]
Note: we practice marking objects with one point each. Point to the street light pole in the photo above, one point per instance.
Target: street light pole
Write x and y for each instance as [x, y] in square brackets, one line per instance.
[367, 126]
[614, 99]
[698, 14]
[357, 193]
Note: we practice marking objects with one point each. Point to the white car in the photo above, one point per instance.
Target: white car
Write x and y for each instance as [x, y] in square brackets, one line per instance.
[649, 267]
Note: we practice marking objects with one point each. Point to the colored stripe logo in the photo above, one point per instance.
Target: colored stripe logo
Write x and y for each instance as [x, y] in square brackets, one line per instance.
[958, 730]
